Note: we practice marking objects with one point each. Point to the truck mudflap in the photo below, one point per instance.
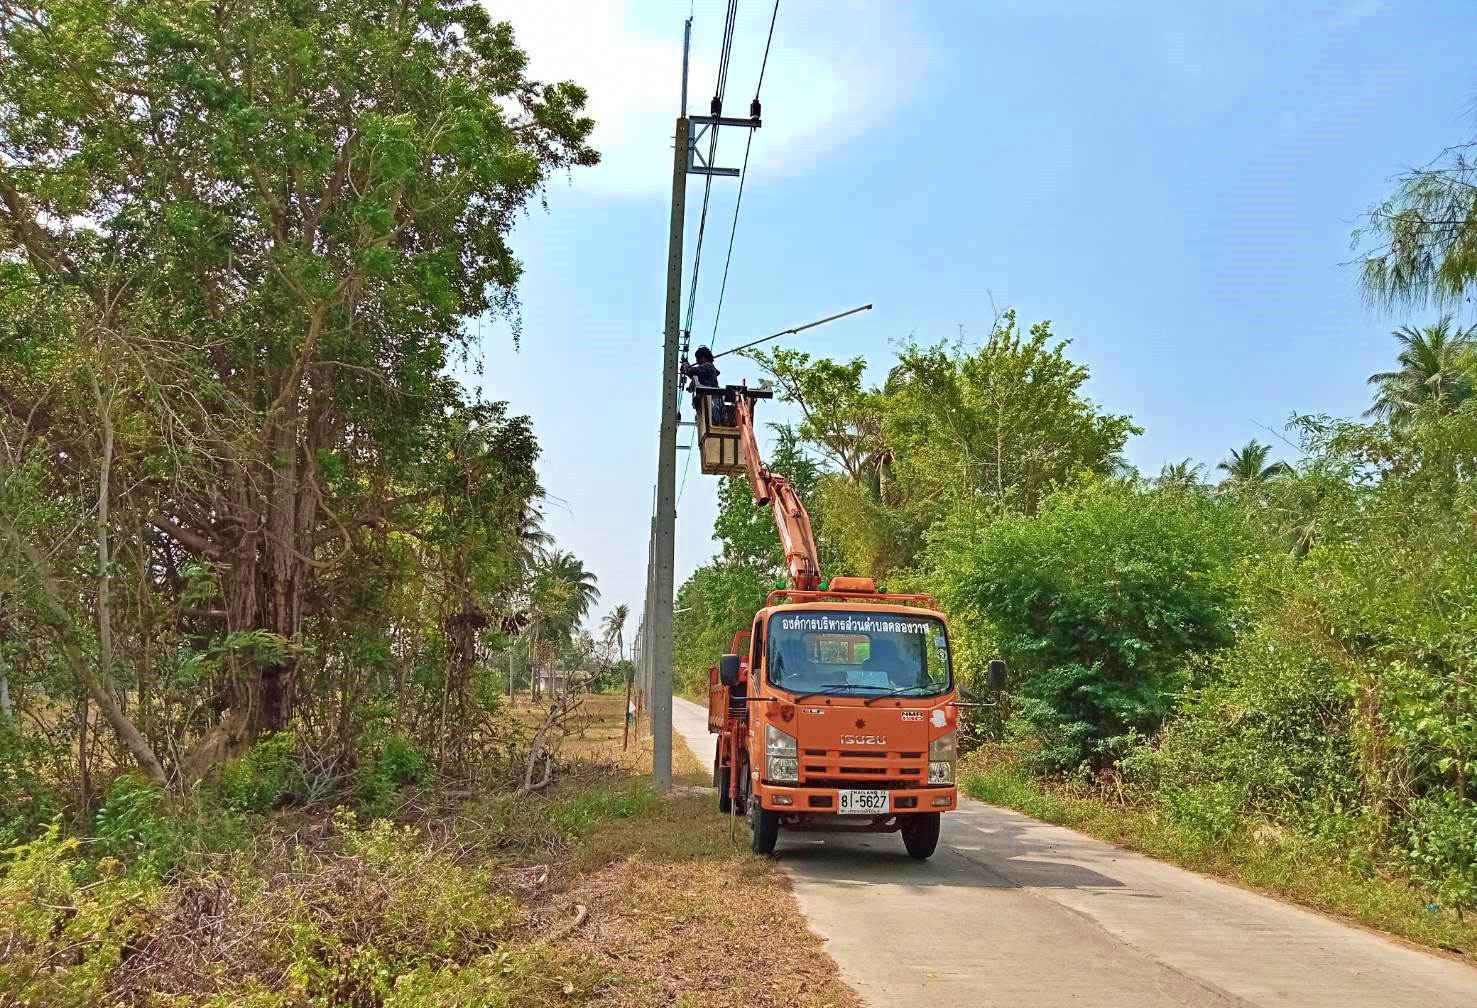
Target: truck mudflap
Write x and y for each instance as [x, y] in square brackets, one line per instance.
[830, 805]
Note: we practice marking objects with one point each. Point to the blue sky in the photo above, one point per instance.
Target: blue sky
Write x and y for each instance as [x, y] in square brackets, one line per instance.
[1172, 185]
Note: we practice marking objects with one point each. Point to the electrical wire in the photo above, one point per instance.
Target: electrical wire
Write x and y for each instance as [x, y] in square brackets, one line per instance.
[765, 62]
[733, 230]
[743, 177]
[687, 466]
[720, 88]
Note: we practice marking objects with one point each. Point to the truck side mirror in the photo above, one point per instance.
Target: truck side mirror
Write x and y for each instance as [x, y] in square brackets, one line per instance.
[728, 670]
[995, 674]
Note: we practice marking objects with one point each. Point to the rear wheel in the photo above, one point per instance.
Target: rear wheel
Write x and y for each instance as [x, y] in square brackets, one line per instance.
[921, 834]
[764, 824]
[720, 784]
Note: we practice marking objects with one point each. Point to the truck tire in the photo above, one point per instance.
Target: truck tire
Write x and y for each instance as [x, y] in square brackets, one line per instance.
[720, 784]
[921, 834]
[764, 824]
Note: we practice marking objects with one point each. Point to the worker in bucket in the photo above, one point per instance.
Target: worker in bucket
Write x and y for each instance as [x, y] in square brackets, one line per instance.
[705, 373]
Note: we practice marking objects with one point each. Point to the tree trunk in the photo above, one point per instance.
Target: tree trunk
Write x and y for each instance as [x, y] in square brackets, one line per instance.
[84, 770]
[7, 707]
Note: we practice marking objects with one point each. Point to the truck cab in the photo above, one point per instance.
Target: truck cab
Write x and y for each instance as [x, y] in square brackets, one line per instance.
[838, 714]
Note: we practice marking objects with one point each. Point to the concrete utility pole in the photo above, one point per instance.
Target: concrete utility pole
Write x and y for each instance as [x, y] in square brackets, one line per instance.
[658, 646]
[664, 538]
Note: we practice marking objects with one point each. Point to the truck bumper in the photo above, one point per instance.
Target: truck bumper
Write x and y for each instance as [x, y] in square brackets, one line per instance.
[798, 798]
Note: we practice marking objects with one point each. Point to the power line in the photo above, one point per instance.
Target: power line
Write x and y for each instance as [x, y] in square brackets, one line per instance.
[687, 466]
[743, 174]
[720, 87]
[765, 62]
[733, 230]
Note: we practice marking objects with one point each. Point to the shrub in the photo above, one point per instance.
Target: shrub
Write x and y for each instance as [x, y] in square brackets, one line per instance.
[393, 764]
[1096, 601]
[1441, 848]
[64, 922]
[1271, 736]
[136, 824]
[267, 775]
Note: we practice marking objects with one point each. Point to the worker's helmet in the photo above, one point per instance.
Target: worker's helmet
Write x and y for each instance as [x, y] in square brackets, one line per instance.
[704, 355]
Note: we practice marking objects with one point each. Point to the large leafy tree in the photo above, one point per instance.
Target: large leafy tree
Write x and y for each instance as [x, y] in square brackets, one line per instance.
[952, 426]
[1438, 368]
[1422, 241]
[293, 206]
[1007, 420]
[840, 418]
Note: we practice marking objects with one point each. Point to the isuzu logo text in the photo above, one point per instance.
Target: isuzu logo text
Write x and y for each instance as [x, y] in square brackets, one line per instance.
[864, 740]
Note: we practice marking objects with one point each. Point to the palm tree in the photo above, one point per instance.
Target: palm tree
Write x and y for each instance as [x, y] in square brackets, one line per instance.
[579, 584]
[1248, 465]
[560, 594]
[1185, 473]
[1436, 367]
[1299, 510]
[614, 626]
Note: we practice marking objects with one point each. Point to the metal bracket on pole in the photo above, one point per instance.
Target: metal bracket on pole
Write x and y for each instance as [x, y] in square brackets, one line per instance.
[696, 163]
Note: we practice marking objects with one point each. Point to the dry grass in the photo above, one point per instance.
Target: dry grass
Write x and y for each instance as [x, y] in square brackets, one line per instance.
[595, 892]
[680, 913]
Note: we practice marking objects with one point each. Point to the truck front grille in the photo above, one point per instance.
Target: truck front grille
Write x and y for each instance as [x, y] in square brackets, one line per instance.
[847, 767]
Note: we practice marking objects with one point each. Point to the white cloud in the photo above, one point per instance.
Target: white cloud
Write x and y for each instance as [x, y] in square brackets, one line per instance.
[834, 74]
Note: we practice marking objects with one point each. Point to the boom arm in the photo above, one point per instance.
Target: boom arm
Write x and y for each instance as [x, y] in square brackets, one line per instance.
[791, 519]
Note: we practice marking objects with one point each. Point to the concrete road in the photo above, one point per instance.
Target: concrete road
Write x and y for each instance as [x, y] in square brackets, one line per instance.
[1014, 913]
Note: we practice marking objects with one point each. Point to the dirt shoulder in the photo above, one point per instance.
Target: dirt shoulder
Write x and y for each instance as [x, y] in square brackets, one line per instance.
[677, 911]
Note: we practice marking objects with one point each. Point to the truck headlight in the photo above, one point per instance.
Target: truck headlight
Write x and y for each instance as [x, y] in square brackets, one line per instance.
[942, 752]
[781, 759]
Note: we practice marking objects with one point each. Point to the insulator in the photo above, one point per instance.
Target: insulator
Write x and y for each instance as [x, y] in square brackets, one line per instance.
[716, 108]
[754, 109]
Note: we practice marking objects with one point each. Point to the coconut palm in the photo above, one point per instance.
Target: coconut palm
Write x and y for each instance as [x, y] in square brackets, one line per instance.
[1299, 508]
[578, 585]
[1185, 473]
[614, 626]
[1436, 367]
[1248, 465]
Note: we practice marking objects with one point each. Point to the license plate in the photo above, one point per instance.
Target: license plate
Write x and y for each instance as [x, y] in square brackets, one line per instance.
[863, 803]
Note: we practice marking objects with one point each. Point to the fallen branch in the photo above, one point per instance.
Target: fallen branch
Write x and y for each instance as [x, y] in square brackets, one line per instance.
[581, 914]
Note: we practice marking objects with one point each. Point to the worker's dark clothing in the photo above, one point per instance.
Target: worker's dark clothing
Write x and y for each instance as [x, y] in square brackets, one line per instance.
[705, 373]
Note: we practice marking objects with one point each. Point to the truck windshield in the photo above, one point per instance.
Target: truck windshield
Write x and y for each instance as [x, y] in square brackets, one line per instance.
[858, 653]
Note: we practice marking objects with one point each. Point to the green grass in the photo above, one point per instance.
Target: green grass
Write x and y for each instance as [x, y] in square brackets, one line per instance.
[1299, 869]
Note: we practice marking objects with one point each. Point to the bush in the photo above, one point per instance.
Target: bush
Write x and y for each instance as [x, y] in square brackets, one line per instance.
[1270, 737]
[1441, 848]
[1096, 602]
[136, 824]
[64, 922]
[266, 776]
[393, 764]
[373, 915]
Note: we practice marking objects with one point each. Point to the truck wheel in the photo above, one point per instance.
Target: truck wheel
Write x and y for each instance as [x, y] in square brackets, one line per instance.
[764, 825]
[921, 834]
[720, 784]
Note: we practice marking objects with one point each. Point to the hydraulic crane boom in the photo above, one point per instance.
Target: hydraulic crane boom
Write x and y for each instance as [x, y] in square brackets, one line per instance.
[791, 519]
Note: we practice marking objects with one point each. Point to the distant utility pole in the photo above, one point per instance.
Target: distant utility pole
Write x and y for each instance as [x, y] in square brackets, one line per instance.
[658, 651]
